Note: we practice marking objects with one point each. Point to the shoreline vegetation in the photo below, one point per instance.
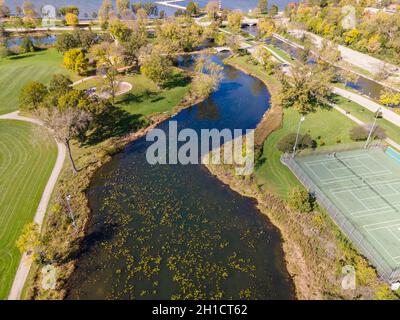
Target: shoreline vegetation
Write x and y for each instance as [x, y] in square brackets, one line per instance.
[314, 247]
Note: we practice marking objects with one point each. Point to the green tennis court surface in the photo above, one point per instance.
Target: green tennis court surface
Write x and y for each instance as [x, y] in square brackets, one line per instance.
[365, 186]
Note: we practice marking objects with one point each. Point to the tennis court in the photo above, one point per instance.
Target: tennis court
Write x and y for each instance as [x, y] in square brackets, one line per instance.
[364, 185]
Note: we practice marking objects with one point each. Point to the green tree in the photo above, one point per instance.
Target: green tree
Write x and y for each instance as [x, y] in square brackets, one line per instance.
[299, 199]
[69, 9]
[308, 87]
[32, 95]
[75, 60]
[27, 45]
[29, 240]
[157, 67]
[263, 6]
[273, 11]
[235, 20]
[192, 8]
[119, 30]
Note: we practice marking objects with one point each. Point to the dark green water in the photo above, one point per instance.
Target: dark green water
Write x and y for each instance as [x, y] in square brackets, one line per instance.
[174, 231]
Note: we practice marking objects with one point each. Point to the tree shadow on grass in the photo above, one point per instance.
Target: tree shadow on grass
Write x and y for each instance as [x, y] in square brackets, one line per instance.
[178, 79]
[148, 95]
[113, 122]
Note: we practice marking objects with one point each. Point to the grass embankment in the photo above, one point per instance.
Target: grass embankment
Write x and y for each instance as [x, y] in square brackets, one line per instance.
[27, 157]
[16, 71]
[62, 242]
[315, 249]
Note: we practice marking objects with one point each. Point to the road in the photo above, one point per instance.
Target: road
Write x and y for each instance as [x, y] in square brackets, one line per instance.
[361, 60]
[26, 263]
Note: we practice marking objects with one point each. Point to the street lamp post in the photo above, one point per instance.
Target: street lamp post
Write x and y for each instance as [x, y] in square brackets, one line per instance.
[297, 135]
[71, 214]
[372, 128]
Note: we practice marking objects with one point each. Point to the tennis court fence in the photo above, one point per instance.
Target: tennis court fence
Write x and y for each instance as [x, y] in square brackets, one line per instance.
[384, 270]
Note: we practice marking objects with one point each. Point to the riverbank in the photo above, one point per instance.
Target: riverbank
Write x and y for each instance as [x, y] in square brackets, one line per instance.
[57, 227]
[315, 249]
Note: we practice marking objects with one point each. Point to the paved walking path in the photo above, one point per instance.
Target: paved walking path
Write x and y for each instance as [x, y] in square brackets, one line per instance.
[26, 263]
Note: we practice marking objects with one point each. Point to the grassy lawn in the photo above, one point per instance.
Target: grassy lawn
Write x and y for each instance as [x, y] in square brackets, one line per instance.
[392, 131]
[26, 161]
[274, 175]
[145, 98]
[16, 71]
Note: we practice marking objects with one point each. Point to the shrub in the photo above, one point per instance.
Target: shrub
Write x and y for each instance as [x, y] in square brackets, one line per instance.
[299, 199]
[358, 133]
[286, 143]
[27, 45]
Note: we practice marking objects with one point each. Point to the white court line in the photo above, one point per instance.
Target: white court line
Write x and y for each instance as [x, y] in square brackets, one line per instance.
[372, 213]
[394, 235]
[383, 222]
[384, 249]
[363, 186]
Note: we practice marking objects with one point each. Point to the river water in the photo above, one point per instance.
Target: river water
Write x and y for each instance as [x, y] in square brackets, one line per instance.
[175, 231]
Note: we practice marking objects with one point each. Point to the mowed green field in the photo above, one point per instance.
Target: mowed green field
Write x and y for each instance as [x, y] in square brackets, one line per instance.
[16, 71]
[27, 156]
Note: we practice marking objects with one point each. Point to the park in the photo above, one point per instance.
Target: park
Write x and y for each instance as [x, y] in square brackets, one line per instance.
[78, 197]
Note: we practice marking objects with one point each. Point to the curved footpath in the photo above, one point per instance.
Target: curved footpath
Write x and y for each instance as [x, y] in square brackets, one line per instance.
[26, 263]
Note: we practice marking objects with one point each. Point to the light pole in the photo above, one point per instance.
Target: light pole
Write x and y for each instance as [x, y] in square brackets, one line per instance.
[297, 135]
[68, 198]
[372, 128]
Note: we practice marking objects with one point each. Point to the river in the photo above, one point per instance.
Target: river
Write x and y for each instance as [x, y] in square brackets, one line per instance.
[175, 231]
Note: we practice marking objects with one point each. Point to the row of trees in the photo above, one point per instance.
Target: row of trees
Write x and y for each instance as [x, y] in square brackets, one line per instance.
[377, 33]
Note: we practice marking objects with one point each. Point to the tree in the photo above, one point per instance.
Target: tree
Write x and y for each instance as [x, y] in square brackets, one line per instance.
[263, 6]
[108, 56]
[136, 40]
[29, 240]
[66, 125]
[83, 39]
[212, 9]
[69, 9]
[27, 45]
[308, 88]
[273, 11]
[266, 27]
[105, 10]
[178, 36]
[233, 41]
[299, 199]
[286, 143]
[192, 8]
[235, 20]
[75, 60]
[123, 7]
[32, 95]
[4, 9]
[358, 133]
[71, 19]
[156, 66]
[208, 76]
[29, 10]
[119, 30]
